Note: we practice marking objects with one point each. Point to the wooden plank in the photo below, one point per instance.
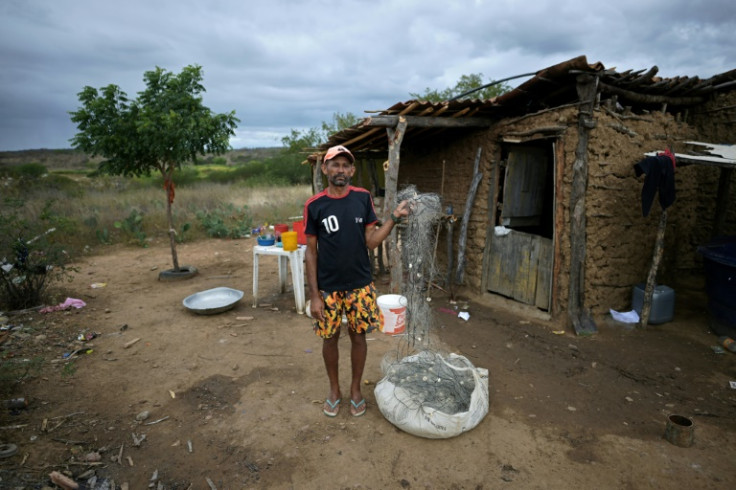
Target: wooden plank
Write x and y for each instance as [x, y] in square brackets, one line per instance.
[559, 219]
[525, 265]
[502, 271]
[544, 273]
[520, 268]
[492, 206]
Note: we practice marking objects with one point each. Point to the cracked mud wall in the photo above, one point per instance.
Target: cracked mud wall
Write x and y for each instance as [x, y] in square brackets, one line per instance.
[619, 239]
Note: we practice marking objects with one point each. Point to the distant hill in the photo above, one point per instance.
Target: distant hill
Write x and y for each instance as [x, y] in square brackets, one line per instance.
[76, 160]
[51, 159]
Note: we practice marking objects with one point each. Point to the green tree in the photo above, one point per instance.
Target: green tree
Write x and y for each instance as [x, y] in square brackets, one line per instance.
[288, 164]
[338, 123]
[301, 141]
[166, 126]
[297, 141]
[467, 83]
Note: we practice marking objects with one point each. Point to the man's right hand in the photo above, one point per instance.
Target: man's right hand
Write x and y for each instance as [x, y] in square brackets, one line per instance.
[317, 307]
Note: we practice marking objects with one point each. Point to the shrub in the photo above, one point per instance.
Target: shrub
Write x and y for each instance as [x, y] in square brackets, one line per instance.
[14, 371]
[288, 168]
[226, 221]
[266, 180]
[133, 227]
[30, 170]
[31, 259]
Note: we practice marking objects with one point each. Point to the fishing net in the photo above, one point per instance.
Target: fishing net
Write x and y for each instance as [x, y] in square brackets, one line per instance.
[424, 391]
[418, 241]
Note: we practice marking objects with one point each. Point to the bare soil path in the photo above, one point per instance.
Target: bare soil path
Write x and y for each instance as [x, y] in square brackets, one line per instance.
[238, 401]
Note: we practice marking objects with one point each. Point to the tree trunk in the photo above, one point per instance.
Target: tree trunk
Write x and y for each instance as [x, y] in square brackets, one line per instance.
[169, 186]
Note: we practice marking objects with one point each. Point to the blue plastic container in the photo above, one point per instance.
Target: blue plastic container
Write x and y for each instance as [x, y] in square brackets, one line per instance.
[720, 284]
[663, 303]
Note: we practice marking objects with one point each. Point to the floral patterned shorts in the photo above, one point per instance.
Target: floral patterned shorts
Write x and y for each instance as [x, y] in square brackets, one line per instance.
[358, 305]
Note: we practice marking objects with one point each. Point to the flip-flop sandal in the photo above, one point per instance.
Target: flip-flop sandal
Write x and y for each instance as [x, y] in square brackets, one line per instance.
[334, 408]
[358, 407]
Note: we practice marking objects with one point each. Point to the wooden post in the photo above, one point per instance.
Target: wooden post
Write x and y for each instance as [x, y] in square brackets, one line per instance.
[317, 186]
[450, 282]
[395, 137]
[462, 239]
[437, 232]
[559, 215]
[587, 87]
[646, 306]
[491, 221]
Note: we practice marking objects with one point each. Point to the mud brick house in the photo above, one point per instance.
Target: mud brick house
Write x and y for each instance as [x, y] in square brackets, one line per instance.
[555, 219]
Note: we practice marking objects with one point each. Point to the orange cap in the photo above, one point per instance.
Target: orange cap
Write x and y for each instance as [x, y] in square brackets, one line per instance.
[338, 150]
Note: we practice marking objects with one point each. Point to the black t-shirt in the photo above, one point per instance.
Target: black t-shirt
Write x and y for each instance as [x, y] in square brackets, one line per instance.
[339, 225]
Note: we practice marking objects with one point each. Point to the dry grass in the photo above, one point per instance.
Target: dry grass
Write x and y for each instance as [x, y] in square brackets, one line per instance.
[93, 211]
[271, 204]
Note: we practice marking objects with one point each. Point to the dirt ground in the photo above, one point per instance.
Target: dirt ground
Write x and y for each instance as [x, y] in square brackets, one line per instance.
[236, 402]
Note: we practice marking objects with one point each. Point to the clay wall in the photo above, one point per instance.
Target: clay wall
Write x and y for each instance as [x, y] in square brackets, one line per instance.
[620, 240]
[715, 122]
[716, 118]
[422, 167]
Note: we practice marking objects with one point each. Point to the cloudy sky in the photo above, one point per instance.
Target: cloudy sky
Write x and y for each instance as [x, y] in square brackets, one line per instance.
[291, 64]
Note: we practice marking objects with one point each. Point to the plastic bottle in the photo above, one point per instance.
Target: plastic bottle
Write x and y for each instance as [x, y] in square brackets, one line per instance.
[728, 343]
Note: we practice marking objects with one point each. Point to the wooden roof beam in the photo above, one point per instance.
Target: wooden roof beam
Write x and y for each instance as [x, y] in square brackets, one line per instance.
[650, 98]
[643, 78]
[429, 122]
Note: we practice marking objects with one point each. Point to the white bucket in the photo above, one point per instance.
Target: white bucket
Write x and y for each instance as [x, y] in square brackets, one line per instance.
[393, 313]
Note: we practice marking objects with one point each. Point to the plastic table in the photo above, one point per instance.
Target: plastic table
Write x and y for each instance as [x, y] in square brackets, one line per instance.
[296, 262]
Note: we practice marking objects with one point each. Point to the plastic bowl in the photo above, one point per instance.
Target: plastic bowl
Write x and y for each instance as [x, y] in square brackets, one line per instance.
[266, 242]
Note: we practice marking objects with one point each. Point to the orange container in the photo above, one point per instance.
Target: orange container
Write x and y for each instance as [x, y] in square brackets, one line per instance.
[298, 227]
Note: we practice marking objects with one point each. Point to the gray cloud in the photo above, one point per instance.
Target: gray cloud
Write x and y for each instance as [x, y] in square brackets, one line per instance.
[292, 64]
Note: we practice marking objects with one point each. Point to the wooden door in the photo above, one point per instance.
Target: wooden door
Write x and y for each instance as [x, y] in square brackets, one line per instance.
[520, 267]
[520, 262]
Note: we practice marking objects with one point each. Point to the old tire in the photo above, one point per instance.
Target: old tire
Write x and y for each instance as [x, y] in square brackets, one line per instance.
[184, 272]
[8, 450]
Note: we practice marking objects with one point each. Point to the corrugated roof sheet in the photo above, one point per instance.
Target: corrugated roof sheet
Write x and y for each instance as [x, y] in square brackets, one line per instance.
[551, 87]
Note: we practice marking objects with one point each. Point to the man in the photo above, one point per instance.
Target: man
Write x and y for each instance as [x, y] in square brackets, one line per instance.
[340, 225]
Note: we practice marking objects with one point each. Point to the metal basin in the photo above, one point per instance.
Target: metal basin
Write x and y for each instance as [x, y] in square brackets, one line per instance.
[212, 301]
